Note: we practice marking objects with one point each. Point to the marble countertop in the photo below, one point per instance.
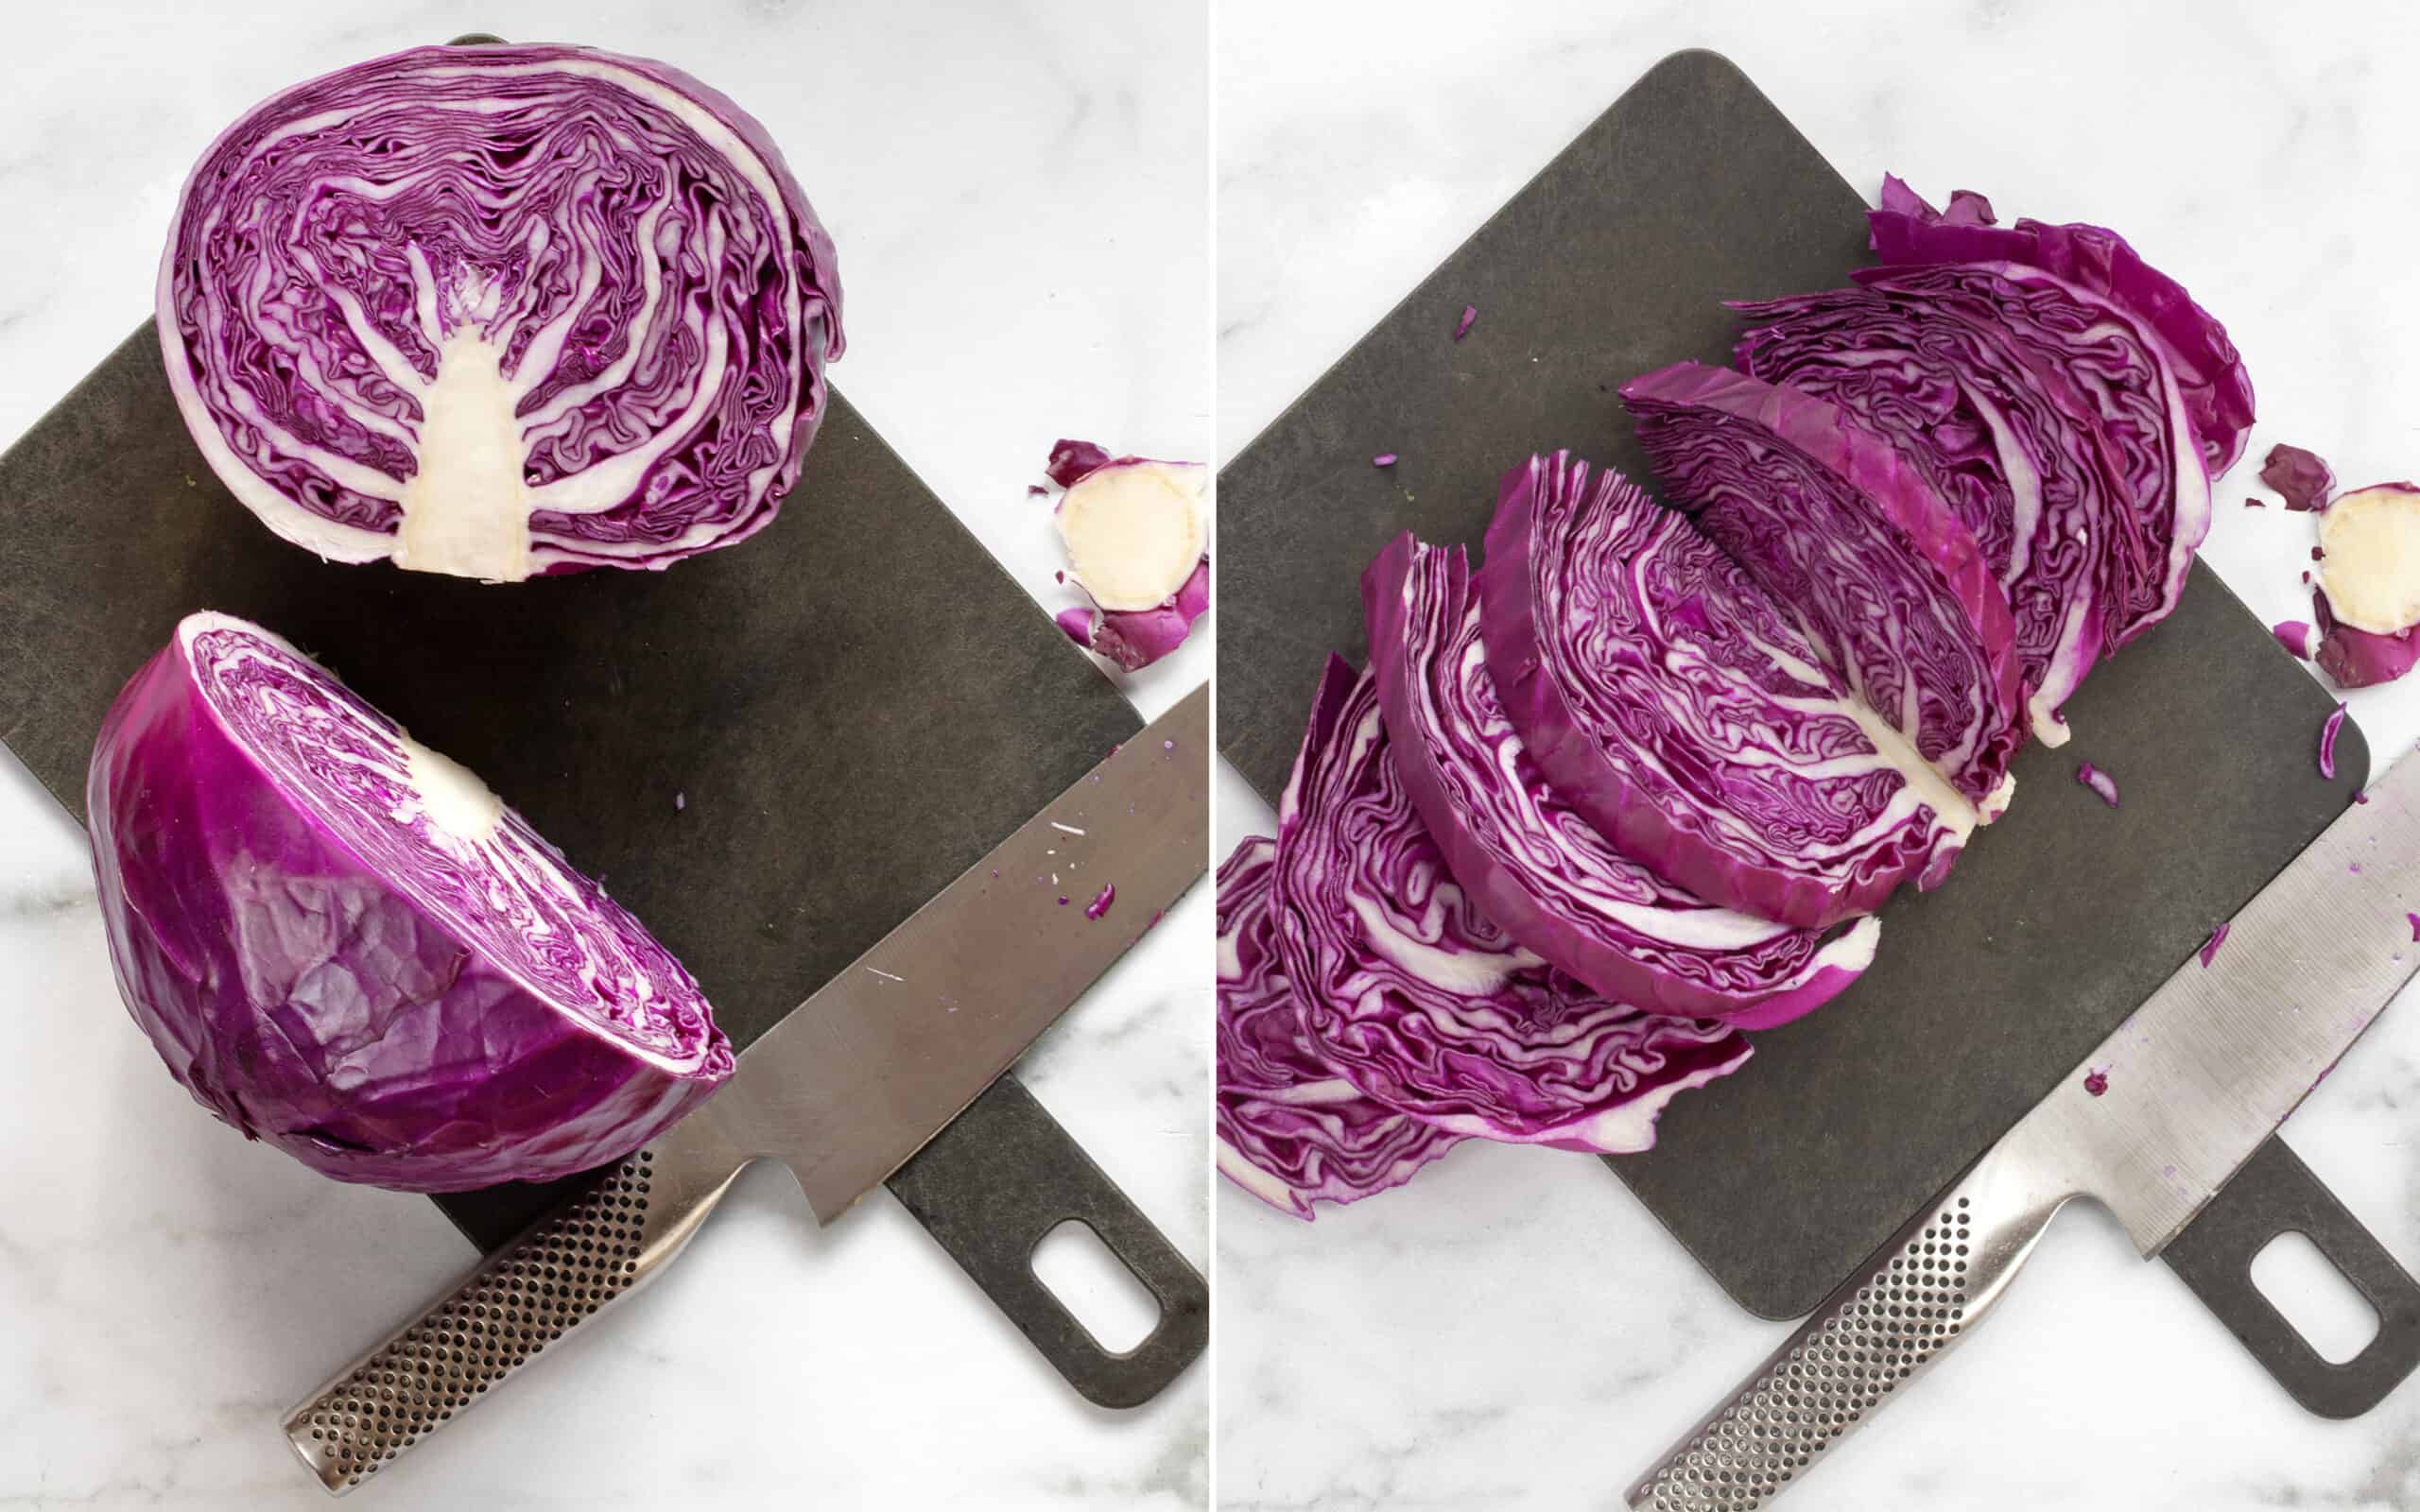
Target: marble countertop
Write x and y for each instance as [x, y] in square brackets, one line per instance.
[1514, 1330]
[167, 1290]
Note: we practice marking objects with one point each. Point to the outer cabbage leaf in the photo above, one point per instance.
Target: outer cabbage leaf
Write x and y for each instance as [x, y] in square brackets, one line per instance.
[1291, 1131]
[1833, 523]
[342, 943]
[1424, 1004]
[2193, 345]
[500, 311]
[2005, 436]
[1531, 864]
[1680, 710]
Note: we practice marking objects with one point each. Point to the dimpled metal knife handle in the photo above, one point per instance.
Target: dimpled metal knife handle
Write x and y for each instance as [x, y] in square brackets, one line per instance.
[591, 1252]
[1920, 1294]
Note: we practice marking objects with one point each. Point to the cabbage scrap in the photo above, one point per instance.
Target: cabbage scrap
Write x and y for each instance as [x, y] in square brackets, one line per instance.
[1136, 534]
[2299, 477]
[1291, 1132]
[344, 945]
[1537, 868]
[1424, 1004]
[2368, 599]
[1681, 711]
[500, 311]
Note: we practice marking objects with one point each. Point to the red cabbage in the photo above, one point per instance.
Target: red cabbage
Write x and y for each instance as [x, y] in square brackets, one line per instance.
[2299, 477]
[2217, 391]
[1424, 1004]
[1835, 524]
[1532, 864]
[500, 311]
[2007, 440]
[1291, 1132]
[2294, 635]
[342, 943]
[2209, 951]
[1680, 712]
[2327, 742]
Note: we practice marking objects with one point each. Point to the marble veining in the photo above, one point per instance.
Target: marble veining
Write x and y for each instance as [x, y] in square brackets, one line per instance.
[167, 1290]
[1512, 1331]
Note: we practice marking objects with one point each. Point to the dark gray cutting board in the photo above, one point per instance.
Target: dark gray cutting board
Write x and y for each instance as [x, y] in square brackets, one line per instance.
[1615, 260]
[857, 703]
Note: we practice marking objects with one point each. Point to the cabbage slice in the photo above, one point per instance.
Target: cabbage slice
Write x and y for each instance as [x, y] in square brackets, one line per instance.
[1424, 1004]
[1833, 523]
[2006, 436]
[2216, 391]
[343, 943]
[2368, 599]
[2096, 363]
[1291, 1132]
[1682, 712]
[1533, 865]
[500, 311]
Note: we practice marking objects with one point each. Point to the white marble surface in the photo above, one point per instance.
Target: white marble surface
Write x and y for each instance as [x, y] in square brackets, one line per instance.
[1513, 1330]
[165, 1289]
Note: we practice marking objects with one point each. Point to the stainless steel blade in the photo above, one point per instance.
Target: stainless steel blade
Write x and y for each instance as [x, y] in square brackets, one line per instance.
[859, 1077]
[2213, 1061]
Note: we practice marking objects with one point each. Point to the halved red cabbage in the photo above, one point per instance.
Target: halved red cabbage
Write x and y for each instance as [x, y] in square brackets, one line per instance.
[1833, 523]
[1291, 1131]
[1531, 864]
[500, 311]
[2217, 389]
[1423, 1004]
[343, 943]
[2007, 438]
[1681, 712]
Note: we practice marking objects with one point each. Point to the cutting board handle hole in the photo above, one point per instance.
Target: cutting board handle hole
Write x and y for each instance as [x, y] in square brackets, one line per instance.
[2303, 1285]
[1096, 1286]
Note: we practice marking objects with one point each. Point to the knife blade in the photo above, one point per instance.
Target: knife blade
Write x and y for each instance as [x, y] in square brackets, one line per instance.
[859, 1077]
[843, 1090]
[2168, 1107]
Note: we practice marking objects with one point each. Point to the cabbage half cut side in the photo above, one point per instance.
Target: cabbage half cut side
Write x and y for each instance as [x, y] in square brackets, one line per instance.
[1424, 1004]
[1539, 870]
[500, 311]
[1834, 523]
[1674, 706]
[1291, 1131]
[343, 943]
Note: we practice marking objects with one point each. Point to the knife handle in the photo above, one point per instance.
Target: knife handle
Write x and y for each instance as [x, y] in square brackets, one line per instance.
[592, 1250]
[1923, 1291]
[994, 1183]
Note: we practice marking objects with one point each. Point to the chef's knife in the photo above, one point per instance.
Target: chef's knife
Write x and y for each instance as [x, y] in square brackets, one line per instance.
[842, 1092]
[2153, 1122]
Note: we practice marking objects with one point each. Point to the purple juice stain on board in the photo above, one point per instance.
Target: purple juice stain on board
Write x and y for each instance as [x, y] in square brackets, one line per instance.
[2095, 1082]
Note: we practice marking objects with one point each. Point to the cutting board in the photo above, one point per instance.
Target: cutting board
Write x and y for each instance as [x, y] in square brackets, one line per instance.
[1692, 190]
[773, 754]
